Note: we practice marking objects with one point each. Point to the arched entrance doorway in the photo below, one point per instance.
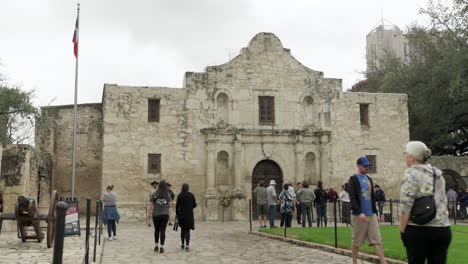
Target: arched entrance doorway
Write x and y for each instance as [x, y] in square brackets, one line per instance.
[266, 170]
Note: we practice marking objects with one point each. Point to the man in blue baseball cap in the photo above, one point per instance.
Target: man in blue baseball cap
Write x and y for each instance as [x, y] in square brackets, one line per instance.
[364, 220]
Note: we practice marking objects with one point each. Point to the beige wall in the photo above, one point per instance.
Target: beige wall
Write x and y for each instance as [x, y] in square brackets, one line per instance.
[20, 167]
[54, 136]
[386, 137]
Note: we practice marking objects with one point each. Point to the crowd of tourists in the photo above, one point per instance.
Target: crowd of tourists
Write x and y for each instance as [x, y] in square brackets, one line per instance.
[424, 211]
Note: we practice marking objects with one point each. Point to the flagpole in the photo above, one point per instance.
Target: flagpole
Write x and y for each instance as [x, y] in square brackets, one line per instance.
[75, 108]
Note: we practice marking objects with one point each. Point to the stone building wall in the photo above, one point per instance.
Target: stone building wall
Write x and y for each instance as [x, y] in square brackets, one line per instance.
[26, 172]
[54, 137]
[385, 137]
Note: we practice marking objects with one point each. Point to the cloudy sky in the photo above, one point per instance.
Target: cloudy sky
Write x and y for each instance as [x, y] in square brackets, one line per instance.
[153, 42]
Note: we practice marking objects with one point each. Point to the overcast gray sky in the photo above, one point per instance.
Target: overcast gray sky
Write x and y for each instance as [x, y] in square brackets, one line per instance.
[154, 42]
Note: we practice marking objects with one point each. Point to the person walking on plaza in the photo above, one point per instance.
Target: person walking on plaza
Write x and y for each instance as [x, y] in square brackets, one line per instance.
[154, 186]
[171, 193]
[346, 208]
[272, 201]
[452, 197]
[161, 201]
[110, 215]
[286, 201]
[321, 204]
[184, 210]
[365, 225]
[297, 204]
[380, 199]
[424, 241]
[306, 197]
[260, 193]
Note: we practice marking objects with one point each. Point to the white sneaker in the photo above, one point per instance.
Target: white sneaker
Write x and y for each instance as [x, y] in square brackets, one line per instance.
[109, 239]
[114, 237]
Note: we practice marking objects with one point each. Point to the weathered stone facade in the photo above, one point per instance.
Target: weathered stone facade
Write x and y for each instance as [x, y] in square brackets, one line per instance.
[54, 136]
[24, 171]
[209, 132]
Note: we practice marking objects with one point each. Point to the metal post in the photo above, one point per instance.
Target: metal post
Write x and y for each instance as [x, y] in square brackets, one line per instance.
[336, 229]
[455, 213]
[88, 220]
[339, 211]
[96, 230]
[75, 109]
[100, 220]
[250, 213]
[391, 212]
[59, 232]
[285, 225]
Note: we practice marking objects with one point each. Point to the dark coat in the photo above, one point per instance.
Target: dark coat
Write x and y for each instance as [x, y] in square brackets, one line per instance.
[184, 210]
[355, 192]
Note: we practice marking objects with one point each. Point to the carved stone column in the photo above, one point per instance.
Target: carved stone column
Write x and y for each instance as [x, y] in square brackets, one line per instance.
[210, 165]
[211, 203]
[238, 162]
[299, 149]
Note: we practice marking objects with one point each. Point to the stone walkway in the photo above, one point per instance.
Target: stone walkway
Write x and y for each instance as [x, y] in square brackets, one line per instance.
[12, 250]
[211, 243]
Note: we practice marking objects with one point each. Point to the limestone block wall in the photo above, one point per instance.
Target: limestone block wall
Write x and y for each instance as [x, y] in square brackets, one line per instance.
[23, 172]
[386, 137]
[458, 164]
[264, 68]
[128, 139]
[54, 137]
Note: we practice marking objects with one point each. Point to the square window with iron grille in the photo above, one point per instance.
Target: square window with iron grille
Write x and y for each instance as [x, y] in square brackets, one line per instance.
[154, 163]
[153, 110]
[266, 110]
[364, 114]
[372, 159]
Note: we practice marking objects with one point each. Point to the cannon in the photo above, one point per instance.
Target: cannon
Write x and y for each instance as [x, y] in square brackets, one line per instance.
[26, 214]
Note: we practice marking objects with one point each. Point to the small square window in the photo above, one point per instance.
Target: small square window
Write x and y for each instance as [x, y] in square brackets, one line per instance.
[372, 159]
[266, 105]
[364, 114]
[154, 163]
[153, 110]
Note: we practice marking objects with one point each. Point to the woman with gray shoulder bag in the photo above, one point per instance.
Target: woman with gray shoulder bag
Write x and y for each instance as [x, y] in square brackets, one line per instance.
[424, 223]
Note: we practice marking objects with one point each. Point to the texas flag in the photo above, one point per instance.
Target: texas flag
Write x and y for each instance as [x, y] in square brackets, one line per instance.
[75, 39]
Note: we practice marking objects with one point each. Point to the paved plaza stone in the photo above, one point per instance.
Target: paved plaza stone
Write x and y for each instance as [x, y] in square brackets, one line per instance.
[212, 242]
[13, 251]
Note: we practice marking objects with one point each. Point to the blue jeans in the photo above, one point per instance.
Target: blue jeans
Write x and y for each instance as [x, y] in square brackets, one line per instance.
[322, 212]
[272, 214]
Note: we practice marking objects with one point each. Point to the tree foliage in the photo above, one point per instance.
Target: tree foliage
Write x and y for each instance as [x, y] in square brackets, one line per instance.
[17, 114]
[435, 78]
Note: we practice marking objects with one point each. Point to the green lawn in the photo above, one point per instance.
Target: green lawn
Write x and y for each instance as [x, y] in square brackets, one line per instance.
[393, 247]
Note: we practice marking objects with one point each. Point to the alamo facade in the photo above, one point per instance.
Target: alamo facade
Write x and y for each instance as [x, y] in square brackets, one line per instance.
[262, 115]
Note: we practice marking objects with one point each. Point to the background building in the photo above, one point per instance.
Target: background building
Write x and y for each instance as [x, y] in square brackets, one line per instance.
[382, 40]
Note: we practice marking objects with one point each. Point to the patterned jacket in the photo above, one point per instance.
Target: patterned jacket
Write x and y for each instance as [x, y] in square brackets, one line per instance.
[418, 182]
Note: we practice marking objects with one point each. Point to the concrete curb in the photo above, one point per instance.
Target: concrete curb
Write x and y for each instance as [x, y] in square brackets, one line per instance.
[341, 251]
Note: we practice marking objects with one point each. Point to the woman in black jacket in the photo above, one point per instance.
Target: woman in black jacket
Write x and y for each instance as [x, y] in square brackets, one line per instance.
[184, 210]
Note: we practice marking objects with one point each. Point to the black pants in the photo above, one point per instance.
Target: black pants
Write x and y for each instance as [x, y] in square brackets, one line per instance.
[305, 211]
[346, 213]
[286, 217]
[185, 236]
[299, 213]
[111, 227]
[429, 243]
[160, 224]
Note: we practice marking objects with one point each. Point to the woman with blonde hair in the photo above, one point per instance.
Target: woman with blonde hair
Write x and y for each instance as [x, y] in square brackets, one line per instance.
[424, 224]
[110, 215]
